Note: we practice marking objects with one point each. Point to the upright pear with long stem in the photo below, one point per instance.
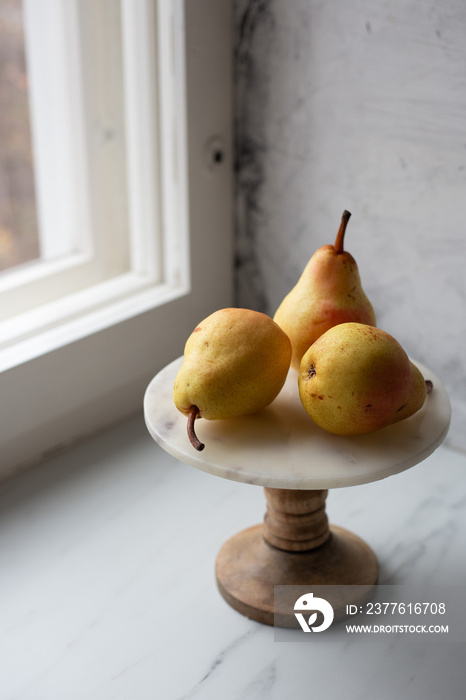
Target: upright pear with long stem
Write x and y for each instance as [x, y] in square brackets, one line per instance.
[329, 292]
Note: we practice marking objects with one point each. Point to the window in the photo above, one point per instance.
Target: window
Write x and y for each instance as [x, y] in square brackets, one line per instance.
[131, 122]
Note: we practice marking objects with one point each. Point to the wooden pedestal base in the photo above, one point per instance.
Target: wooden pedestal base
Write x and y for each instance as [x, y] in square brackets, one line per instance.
[293, 547]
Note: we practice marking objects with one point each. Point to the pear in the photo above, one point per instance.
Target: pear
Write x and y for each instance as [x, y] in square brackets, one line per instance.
[328, 292]
[356, 379]
[235, 363]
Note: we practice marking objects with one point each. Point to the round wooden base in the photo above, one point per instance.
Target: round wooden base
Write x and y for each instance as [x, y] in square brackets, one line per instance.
[248, 568]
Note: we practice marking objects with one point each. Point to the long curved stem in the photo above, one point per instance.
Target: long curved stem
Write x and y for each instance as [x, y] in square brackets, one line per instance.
[194, 440]
[338, 245]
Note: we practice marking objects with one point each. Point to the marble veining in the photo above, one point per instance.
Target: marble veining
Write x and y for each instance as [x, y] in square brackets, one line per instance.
[108, 589]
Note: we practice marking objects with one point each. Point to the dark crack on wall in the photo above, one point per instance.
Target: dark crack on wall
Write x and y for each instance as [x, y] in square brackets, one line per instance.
[250, 149]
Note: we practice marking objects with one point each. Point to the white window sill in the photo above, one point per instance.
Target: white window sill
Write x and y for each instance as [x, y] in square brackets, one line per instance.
[90, 311]
[108, 587]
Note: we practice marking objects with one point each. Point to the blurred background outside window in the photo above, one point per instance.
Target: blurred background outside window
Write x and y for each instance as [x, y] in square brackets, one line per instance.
[19, 238]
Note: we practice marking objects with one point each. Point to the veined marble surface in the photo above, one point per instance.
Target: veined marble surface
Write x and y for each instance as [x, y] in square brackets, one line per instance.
[108, 590]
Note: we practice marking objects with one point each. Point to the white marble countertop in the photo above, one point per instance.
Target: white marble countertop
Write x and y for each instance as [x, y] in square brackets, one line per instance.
[108, 590]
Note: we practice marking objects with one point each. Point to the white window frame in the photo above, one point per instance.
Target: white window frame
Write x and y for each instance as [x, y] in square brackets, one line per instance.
[77, 123]
[85, 360]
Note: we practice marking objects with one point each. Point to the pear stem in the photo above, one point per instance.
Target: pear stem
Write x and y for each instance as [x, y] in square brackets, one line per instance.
[338, 245]
[193, 439]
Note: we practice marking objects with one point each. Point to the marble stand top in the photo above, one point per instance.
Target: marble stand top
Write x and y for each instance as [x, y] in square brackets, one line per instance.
[281, 447]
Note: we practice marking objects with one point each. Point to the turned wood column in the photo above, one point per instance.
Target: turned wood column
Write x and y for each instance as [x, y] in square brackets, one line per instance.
[295, 520]
[294, 546]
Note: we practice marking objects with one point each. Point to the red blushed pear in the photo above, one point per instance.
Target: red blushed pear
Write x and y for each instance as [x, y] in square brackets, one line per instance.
[328, 292]
[235, 363]
[356, 379]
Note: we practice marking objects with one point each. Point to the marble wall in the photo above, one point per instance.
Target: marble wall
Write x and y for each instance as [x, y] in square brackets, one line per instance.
[358, 105]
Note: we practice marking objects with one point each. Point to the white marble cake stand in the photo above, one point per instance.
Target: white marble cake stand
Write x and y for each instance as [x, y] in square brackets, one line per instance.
[296, 462]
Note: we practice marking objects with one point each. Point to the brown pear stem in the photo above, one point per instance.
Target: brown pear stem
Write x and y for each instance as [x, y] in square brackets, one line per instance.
[429, 386]
[338, 245]
[193, 439]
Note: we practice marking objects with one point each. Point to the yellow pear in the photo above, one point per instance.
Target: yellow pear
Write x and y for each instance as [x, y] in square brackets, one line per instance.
[328, 292]
[235, 363]
[356, 379]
